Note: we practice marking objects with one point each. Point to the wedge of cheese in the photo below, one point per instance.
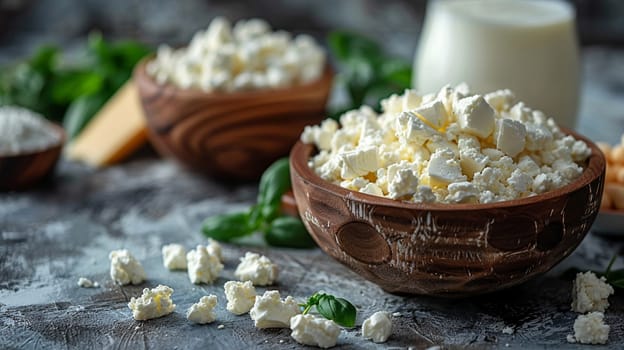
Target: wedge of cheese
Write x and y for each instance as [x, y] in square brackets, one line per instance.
[115, 132]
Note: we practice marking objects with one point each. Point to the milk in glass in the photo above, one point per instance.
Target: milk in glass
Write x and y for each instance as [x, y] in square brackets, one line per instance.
[527, 46]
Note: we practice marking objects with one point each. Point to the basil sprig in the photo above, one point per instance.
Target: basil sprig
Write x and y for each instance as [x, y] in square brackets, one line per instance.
[614, 277]
[332, 308]
[264, 216]
[367, 74]
[71, 93]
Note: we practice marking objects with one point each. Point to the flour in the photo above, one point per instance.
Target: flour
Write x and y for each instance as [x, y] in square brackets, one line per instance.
[23, 131]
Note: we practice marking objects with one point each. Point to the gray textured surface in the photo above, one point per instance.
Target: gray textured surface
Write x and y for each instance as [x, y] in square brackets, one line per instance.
[64, 230]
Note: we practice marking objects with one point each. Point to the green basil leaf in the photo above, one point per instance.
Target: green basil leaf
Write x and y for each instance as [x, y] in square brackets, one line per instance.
[608, 270]
[80, 113]
[338, 310]
[616, 278]
[273, 183]
[345, 44]
[618, 283]
[44, 60]
[227, 226]
[69, 86]
[312, 301]
[256, 220]
[288, 231]
[397, 72]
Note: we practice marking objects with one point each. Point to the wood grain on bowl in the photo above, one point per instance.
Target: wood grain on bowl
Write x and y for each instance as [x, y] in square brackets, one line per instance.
[449, 250]
[22, 171]
[229, 135]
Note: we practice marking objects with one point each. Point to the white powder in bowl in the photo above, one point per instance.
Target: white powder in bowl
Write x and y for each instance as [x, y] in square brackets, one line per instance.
[23, 131]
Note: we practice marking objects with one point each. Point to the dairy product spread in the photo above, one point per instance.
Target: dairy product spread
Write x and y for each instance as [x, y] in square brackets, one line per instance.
[450, 147]
[246, 56]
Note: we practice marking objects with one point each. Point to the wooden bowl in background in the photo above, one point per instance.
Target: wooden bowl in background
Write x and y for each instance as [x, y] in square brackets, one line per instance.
[24, 170]
[448, 250]
[232, 136]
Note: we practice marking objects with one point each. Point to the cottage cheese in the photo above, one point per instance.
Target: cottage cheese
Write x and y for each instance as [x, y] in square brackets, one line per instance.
[314, 331]
[174, 256]
[214, 248]
[269, 311]
[153, 303]
[247, 56]
[590, 293]
[23, 131]
[451, 147]
[125, 269]
[202, 266]
[378, 327]
[241, 296]
[202, 312]
[590, 329]
[87, 283]
[257, 269]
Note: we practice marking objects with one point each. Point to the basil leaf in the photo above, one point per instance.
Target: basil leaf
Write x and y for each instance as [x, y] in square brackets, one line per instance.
[345, 44]
[397, 72]
[616, 278]
[80, 112]
[71, 85]
[608, 270]
[273, 183]
[227, 226]
[338, 310]
[288, 231]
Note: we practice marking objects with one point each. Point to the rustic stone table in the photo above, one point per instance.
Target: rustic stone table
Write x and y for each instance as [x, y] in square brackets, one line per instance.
[52, 235]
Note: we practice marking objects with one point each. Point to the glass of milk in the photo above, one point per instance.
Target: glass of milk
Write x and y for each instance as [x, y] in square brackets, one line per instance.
[527, 46]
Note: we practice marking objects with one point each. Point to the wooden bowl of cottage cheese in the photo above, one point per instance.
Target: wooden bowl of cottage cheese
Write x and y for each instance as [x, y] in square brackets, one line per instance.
[30, 147]
[458, 242]
[236, 99]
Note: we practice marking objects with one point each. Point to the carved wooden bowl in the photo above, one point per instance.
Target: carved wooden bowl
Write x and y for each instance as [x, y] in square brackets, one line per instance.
[448, 250]
[232, 136]
[24, 170]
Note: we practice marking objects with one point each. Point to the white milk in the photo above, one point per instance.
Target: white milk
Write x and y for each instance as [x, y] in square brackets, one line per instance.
[529, 47]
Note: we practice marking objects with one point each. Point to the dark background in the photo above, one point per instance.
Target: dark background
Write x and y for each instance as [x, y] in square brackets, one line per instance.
[25, 24]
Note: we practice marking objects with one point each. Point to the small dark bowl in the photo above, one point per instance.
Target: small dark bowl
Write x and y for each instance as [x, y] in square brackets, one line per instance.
[24, 170]
[231, 136]
[447, 250]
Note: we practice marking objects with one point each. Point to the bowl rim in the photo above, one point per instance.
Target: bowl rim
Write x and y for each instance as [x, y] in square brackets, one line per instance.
[301, 152]
[140, 72]
[59, 144]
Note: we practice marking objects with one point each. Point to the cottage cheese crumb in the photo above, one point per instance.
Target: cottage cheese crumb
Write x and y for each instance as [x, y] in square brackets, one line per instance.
[508, 330]
[270, 311]
[87, 283]
[449, 147]
[378, 327]
[590, 329]
[241, 296]
[590, 293]
[256, 268]
[125, 269]
[24, 131]
[174, 256]
[214, 248]
[202, 312]
[314, 331]
[153, 303]
[202, 266]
